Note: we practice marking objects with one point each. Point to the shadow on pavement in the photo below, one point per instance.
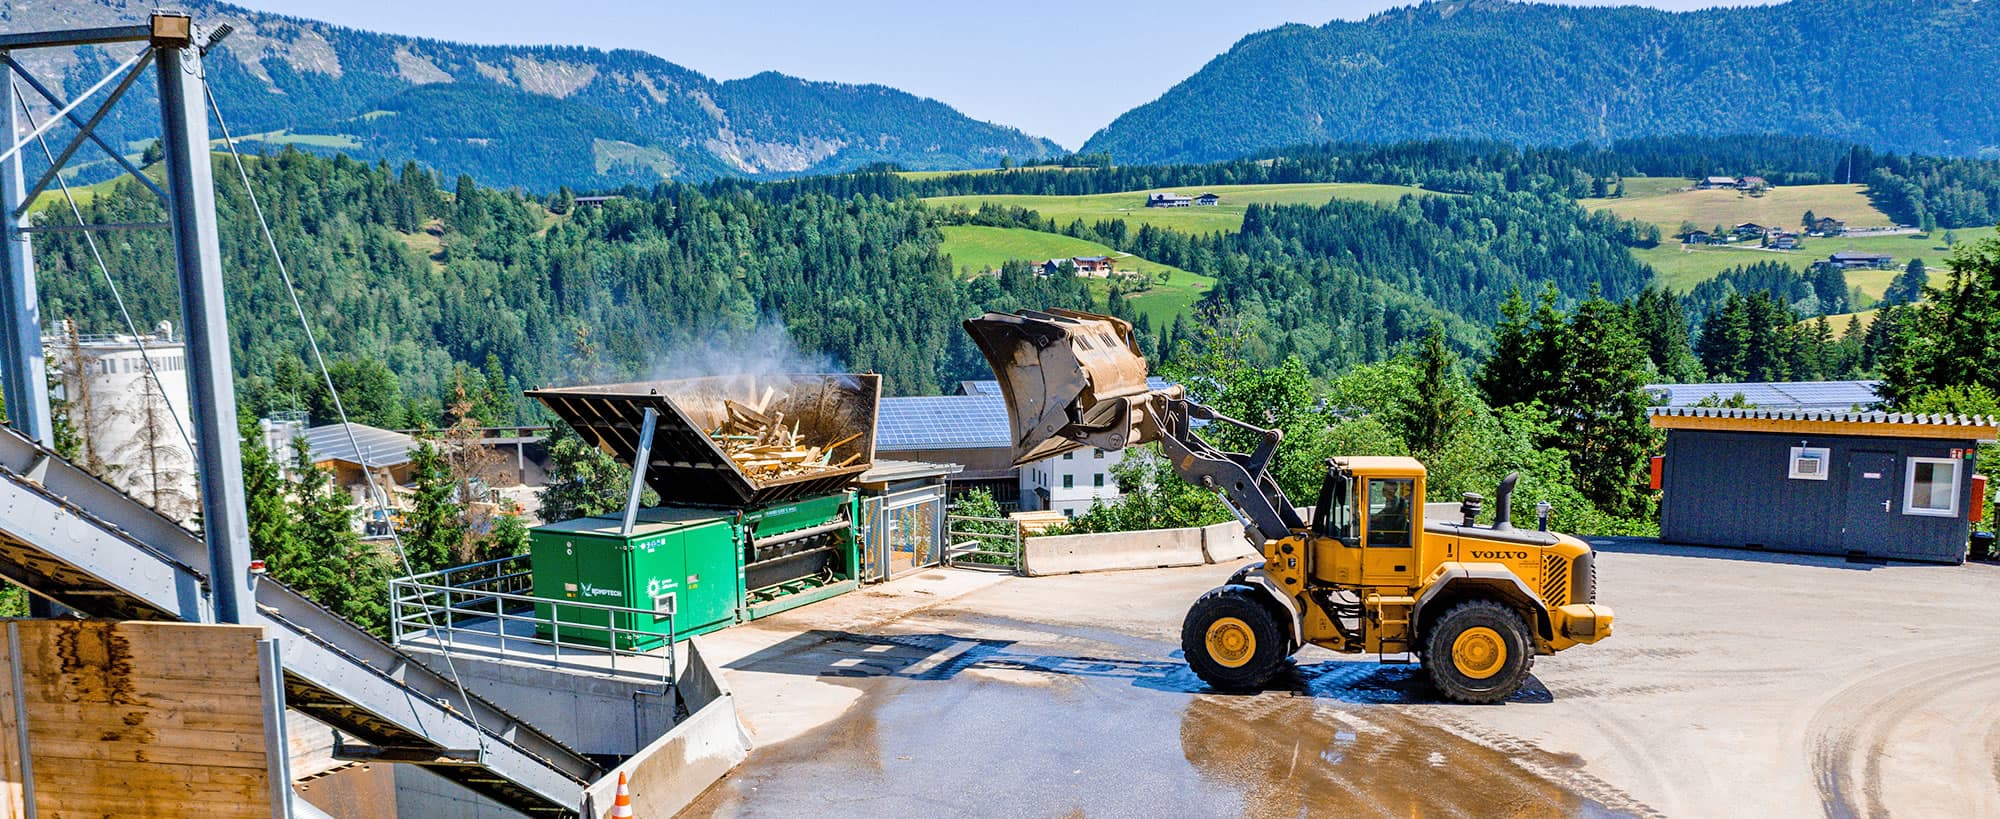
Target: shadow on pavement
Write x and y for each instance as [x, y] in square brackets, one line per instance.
[937, 656]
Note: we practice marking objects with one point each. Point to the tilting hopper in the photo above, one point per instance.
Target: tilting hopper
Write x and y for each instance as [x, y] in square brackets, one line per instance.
[689, 466]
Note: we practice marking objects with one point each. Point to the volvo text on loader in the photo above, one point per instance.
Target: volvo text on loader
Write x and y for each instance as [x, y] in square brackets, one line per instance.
[1367, 574]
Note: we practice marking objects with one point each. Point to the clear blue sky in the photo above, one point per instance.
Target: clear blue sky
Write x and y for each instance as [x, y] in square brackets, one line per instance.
[1055, 68]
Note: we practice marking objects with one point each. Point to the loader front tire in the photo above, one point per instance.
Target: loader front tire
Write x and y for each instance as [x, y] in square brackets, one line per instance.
[1478, 652]
[1232, 640]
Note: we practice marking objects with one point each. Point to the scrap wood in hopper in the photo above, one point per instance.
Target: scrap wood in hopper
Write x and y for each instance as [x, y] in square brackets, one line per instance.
[766, 447]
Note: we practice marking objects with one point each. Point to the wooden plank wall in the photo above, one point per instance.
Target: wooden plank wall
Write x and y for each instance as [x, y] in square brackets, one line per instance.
[133, 718]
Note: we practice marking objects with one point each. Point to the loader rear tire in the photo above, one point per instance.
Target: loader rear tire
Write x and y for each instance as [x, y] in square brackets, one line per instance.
[1478, 652]
[1232, 640]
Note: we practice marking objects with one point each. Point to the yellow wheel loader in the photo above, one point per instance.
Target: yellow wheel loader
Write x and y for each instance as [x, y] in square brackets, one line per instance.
[1368, 573]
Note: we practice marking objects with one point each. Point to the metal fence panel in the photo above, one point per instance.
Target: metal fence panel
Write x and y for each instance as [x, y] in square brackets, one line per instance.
[903, 532]
[982, 542]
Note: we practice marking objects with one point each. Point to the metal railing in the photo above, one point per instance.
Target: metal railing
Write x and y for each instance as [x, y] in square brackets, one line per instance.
[976, 541]
[468, 610]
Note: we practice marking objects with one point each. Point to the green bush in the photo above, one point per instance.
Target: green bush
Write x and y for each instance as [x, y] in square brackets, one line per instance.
[1151, 496]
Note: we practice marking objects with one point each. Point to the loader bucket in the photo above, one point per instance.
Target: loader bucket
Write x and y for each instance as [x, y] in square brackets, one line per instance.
[1070, 380]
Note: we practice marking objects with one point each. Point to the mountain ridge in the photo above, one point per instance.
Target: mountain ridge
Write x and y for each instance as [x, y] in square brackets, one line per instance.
[1909, 76]
[533, 101]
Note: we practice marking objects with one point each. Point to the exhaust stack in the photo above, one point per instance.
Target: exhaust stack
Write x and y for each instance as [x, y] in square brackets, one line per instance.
[1070, 379]
[1503, 502]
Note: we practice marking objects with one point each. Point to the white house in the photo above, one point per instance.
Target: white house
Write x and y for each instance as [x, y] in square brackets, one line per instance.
[1072, 482]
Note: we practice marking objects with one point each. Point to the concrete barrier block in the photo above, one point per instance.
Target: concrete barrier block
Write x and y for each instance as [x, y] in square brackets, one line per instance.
[1226, 543]
[672, 772]
[1150, 549]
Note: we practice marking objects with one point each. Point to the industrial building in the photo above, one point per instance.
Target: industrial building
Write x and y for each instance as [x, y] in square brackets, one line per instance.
[131, 420]
[1859, 484]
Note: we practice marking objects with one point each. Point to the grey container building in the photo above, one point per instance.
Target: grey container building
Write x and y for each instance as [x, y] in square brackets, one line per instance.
[1866, 484]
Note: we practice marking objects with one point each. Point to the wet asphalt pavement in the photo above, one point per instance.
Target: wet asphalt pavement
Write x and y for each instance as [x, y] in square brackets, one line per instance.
[970, 713]
[1736, 684]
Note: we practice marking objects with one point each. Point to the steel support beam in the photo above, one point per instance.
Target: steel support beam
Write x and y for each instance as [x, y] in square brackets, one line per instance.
[22, 373]
[640, 460]
[212, 392]
[84, 132]
[57, 102]
[77, 37]
[277, 746]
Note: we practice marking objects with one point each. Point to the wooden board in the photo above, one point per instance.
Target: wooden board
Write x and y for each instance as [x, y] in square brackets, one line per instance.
[133, 718]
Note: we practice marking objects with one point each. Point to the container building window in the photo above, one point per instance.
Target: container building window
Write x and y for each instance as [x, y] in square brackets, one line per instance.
[1932, 487]
[1809, 463]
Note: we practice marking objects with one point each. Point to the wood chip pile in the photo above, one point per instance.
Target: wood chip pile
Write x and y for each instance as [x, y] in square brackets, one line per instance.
[766, 448]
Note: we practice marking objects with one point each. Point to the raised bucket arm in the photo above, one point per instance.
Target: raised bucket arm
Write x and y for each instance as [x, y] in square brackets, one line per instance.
[1070, 380]
[1073, 379]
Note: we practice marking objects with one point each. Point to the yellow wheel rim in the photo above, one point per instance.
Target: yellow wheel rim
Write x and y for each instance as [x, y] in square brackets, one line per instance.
[1230, 642]
[1479, 652]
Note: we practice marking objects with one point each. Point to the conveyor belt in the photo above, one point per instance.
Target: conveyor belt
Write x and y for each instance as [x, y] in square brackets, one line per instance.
[77, 540]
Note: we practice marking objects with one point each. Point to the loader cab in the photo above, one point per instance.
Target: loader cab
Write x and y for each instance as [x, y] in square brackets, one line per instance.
[1369, 523]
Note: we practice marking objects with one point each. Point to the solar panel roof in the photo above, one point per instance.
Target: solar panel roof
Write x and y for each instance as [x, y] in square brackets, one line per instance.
[941, 422]
[379, 447]
[1833, 395]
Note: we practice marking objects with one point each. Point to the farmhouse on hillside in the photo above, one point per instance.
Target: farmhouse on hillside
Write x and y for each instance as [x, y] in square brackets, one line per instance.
[1828, 226]
[1852, 259]
[1781, 240]
[1091, 264]
[1752, 230]
[1716, 183]
[1207, 200]
[1753, 184]
[1696, 237]
[1168, 200]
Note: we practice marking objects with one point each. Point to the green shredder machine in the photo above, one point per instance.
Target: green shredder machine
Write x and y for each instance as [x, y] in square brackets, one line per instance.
[722, 547]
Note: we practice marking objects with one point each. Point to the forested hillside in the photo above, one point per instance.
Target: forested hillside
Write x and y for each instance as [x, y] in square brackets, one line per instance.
[1905, 75]
[536, 116]
[407, 280]
[422, 288]
[1910, 188]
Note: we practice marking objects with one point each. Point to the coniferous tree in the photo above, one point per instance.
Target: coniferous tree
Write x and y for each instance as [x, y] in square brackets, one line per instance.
[334, 567]
[274, 534]
[1725, 341]
[582, 481]
[1952, 340]
[433, 529]
[1527, 360]
[1908, 285]
[1600, 411]
[1430, 415]
[1506, 369]
[1662, 326]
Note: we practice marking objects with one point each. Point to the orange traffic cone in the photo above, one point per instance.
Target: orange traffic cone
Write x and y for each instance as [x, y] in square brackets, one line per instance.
[621, 808]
